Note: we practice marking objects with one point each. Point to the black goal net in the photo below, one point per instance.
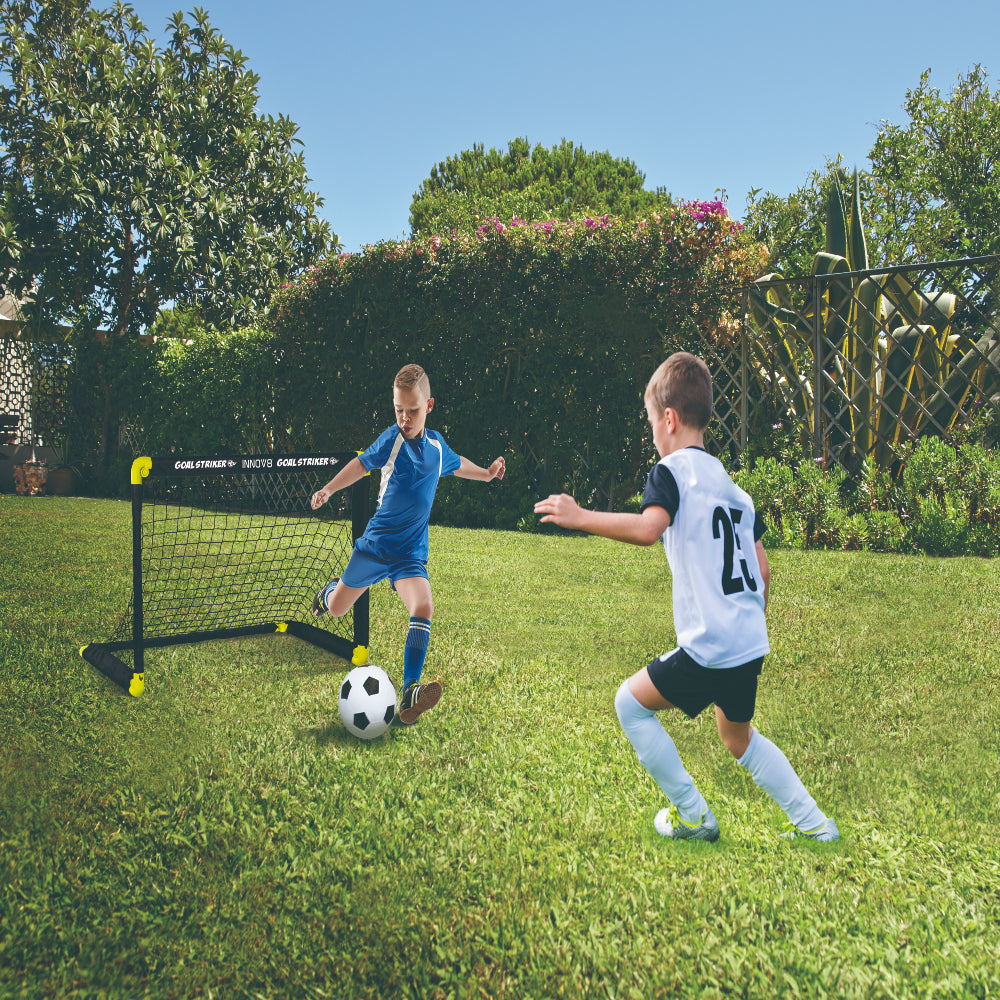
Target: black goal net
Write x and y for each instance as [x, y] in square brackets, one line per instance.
[229, 546]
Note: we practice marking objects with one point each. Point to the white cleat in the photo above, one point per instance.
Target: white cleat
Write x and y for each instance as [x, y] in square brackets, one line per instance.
[668, 823]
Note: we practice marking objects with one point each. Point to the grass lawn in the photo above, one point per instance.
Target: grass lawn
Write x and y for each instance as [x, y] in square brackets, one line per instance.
[222, 836]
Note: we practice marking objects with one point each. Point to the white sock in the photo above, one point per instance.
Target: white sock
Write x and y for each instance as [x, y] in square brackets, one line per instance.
[770, 769]
[658, 755]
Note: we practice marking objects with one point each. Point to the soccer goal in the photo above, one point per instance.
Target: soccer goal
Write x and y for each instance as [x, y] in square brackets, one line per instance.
[228, 546]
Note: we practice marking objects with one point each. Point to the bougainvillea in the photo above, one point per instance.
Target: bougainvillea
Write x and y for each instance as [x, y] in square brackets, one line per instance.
[538, 338]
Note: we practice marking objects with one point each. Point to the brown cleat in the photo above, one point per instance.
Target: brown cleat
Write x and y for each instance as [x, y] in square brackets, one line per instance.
[417, 698]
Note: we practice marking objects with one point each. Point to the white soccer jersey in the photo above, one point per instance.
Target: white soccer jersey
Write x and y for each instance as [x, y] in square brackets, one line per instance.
[718, 590]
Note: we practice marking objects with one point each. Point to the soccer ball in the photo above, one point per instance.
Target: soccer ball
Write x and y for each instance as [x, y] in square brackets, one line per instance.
[367, 702]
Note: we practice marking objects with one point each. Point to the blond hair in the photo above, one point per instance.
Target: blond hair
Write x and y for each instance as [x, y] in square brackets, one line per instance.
[684, 383]
[413, 377]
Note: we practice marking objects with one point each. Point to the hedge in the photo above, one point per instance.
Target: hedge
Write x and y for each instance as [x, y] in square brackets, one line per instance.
[538, 340]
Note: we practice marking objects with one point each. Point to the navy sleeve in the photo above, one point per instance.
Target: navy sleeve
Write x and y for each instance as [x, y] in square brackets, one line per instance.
[661, 491]
[759, 527]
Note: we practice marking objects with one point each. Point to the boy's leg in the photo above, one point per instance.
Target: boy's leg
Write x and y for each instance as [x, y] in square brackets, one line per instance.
[415, 593]
[341, 598]
[637, 703]
[339, 595]
[770, 770]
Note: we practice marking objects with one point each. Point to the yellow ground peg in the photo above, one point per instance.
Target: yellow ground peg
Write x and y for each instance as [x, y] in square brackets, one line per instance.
[360, 657]
[281, 627]
[136, 685]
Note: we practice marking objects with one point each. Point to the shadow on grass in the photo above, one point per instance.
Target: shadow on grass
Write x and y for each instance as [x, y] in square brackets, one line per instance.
[335, 734]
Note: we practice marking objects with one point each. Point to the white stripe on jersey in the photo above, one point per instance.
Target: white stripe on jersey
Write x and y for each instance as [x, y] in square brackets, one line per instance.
[388, 467]
[437, 444]
[718, 591]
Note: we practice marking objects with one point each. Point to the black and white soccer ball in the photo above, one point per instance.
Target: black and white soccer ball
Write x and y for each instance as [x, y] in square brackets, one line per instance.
[367, 702]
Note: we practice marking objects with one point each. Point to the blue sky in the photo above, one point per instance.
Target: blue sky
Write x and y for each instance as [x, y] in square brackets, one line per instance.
[727, 95]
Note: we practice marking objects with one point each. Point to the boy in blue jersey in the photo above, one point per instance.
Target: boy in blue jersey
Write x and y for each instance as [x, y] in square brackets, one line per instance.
[711, 535]
[412, 459]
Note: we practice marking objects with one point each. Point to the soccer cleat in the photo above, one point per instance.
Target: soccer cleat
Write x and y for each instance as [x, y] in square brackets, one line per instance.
[668, 823]
[825, 834]
[319, 601]
[417, 698]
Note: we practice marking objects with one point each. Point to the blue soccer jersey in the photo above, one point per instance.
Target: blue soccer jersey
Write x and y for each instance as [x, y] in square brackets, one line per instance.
[410, 474]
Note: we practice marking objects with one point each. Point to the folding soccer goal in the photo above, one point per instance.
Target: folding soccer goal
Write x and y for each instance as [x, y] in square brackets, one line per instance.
[229, 546]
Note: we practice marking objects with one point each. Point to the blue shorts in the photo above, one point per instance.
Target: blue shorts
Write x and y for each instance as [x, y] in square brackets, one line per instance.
[364, 570]
[689, 686]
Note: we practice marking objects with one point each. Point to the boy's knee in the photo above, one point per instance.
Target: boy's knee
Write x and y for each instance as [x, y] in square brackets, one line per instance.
[422, 610]
[737, 742]
[621, 700]
[628, 706]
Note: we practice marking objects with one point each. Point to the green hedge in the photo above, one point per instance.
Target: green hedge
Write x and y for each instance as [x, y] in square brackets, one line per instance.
[942, 500]
[213, 394]
[225, 393]
[538, 340]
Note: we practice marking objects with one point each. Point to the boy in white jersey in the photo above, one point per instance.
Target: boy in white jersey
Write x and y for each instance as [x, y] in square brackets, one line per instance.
[711, 535]
[412, 459]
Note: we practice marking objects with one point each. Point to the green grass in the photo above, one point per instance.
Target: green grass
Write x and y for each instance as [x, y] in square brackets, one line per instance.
[222, 836]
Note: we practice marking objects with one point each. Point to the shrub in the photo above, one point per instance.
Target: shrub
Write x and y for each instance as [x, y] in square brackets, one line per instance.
[939, 527]
[816, 500]
[854, 533]
[885, 532]
[945, 500]
[213, 394]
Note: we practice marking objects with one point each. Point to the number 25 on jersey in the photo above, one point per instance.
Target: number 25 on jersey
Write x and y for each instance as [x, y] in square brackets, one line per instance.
[724, 524]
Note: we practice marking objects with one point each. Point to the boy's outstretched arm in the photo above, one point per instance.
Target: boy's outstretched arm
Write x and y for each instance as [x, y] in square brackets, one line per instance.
[347, 476]
[469, 470]
[637, 529]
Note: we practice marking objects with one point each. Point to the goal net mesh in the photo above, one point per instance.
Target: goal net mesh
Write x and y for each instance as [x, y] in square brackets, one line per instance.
[230, 546]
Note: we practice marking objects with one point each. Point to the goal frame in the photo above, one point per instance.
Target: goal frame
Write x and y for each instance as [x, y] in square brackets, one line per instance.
[101, 655]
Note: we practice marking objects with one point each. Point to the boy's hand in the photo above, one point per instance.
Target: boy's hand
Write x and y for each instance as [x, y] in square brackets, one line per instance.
[319, 498]
[497, 469]
[559, 508]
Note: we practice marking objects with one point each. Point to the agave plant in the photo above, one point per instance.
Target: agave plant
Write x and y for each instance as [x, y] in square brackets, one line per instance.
[882, 352]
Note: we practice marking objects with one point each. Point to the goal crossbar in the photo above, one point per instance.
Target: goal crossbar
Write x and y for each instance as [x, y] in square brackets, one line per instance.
[228, 546]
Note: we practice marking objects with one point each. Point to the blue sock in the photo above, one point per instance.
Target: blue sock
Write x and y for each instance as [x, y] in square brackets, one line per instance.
[414, 652]
[328, 592]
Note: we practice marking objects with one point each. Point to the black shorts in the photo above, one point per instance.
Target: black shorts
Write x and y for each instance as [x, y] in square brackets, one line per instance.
[692, 688]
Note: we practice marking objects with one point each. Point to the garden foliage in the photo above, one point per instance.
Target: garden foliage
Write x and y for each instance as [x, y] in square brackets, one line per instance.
[538, 339]
[941, 499]
[533, 183]
[894, 360]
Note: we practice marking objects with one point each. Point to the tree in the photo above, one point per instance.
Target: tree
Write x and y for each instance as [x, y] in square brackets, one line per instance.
[133, 176]
[792, 227]
[932, 193]
[938, 176]
[533, 184]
